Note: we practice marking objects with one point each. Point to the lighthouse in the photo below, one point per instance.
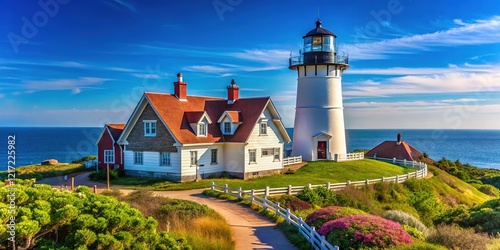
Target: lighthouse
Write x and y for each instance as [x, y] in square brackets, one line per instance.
[319, 132]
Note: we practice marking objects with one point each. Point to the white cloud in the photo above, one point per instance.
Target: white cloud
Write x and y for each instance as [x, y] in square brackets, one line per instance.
[206, 69]
[453, 79]
[120, 4]
[147, 76]
[477, 32]
[75, 85]
[118, 69]
[272, 57]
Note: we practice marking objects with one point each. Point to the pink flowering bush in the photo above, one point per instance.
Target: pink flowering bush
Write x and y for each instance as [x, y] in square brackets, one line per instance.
[364, 231]
[320, 216]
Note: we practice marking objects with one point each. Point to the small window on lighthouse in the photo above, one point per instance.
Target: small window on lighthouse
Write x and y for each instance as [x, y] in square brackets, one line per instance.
[307, 44]
[316, 43]
[327, 43]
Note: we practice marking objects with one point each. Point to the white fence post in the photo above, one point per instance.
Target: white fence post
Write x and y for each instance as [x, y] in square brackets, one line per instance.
[225, 188]
[266, 191]
[239, 193]
[404, 162]
[289, 191]
[394, 160]
[397, 178]
[328, 185]
[348, 182]
[382, 179]
[252, 193]
[288, 216]
[212, 186]
[309, 185]
[367, 182]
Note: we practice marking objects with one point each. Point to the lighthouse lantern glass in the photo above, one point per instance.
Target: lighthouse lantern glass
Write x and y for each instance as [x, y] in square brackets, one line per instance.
[307, 44]
[316, 43]
[327, 43]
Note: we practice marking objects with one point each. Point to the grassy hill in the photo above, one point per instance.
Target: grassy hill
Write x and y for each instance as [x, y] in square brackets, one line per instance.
[313, 172]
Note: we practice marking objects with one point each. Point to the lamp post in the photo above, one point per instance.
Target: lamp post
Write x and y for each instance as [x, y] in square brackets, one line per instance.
[197, 168]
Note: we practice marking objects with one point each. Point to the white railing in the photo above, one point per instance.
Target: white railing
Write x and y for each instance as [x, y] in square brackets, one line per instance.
[292, 190]
[317, 241]
[349, 157]
[292, 160]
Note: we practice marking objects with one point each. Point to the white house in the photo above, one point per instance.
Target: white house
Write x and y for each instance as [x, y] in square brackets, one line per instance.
[181, 137]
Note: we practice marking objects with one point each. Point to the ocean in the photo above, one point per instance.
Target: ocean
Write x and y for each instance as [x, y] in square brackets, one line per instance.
[479, 148]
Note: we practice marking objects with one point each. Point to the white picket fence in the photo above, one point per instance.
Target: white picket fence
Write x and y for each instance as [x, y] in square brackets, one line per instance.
[349, 156]
[317, 241]
[292, 190]
[292, 160]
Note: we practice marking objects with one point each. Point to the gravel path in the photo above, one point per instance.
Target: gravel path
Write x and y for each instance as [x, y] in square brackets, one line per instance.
[250, 229]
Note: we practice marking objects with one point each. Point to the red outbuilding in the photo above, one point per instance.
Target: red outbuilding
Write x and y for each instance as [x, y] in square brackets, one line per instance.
[108, 149]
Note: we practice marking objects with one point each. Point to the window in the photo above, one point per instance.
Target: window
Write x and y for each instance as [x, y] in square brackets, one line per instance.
[202, 129]
[327, 43]
[276, 154]
[263, 128]
[165, 159]
[109, 156]
[307, 44]
[138, 158]
[227, 128]
[267, 152]
[213, 156]
[194, 158]
[316, 43]
[252, 156]
[149, 128]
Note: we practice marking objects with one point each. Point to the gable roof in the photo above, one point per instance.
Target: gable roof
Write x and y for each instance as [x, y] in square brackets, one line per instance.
[234, 116]
[196, 116]
[177, 115]
[391, 149]
[115, 130]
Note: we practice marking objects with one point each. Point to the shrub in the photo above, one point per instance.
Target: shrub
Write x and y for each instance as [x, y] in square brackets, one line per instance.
[364, 231]
[101, 175]
[415, 233]
[185, 209]
[291, 202]
[320, 216]
[406, 219]
[455, 237]
[489, 190]
[85, 158]
[420, 246]
[319, 196]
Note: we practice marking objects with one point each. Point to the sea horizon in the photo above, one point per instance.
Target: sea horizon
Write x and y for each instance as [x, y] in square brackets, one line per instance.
[474, 146]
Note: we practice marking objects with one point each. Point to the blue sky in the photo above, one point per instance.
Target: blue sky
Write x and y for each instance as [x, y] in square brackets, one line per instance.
[413, 64]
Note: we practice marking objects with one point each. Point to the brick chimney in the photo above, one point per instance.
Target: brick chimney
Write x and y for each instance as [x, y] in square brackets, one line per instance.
[180, 88]
[233, 92]
[398, 142]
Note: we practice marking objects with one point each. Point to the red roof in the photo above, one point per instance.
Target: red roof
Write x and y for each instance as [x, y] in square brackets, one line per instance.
[177, 115]
[235, 116]
[391, 149]
[116, 130]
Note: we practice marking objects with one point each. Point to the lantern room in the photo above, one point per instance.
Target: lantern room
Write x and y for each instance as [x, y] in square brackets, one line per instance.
[319, 40]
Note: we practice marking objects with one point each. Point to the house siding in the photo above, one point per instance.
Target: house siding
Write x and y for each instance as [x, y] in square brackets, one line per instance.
[162, 142]
[234, 156]
[106, 143]
[204, 158]
[151, 165]
[265, 165]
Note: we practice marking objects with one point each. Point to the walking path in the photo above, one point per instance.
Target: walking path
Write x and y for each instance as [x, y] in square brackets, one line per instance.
[250, 229]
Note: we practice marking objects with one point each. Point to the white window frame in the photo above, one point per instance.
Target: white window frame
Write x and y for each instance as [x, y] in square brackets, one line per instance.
[150, 128]
[267, 152]
[263, 128]
[193, 156]
[214, 156]
[202, 129]
[252, 159]
[109, 156]
[227, 127]
[165, 159]
[276, 154]
[138, 158]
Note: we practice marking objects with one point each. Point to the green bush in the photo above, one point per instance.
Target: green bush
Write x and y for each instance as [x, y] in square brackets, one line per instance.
[404, 218]
[415, 233]
[320, 196]
[291, 202]
[85, 158]
[455, 237]
[185, 209]
[101, 175]
[489, 190]
[420, 246]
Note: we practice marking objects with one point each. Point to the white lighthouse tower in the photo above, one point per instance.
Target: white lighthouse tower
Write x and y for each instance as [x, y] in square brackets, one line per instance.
[319, 132]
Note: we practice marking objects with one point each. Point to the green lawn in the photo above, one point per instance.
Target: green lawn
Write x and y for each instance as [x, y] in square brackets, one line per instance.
[44, 171]
[314, 173]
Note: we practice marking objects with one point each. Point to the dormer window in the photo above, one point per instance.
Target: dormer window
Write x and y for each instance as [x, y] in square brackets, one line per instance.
[227, 128]
[150, 128]
[202, 129]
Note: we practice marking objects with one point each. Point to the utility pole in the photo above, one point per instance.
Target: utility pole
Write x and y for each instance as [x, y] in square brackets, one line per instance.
[107, 174]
